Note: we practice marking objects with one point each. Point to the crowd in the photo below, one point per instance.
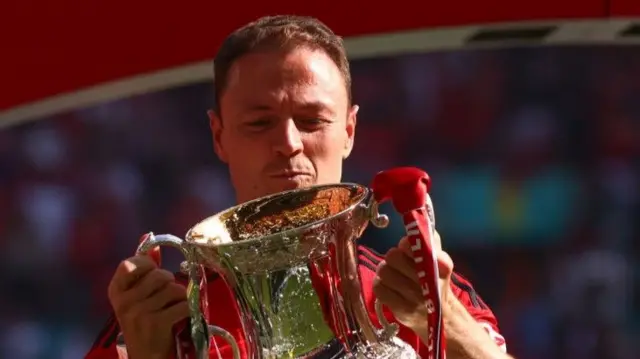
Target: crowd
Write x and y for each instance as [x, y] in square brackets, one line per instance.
[534, 156]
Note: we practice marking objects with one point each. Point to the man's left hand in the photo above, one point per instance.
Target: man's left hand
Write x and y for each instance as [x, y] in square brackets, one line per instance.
[397, 286]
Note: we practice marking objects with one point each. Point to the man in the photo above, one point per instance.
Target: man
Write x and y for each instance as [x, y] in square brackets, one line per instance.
[284, 119]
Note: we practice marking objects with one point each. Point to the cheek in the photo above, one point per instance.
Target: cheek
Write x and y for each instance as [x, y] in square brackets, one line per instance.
[242, 145]
[245, 155]
[324, 145]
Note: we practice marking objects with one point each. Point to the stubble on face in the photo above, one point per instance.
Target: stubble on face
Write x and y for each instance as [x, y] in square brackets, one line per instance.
[287, 122]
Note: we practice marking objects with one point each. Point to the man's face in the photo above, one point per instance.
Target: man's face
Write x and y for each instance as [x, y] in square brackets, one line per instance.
[285, 122]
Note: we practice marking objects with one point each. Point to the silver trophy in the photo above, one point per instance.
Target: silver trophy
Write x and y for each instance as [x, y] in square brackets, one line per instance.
[274, 253]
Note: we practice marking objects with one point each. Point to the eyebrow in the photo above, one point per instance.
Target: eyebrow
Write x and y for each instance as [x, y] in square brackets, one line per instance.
[316, 106]
[312, 106]
[257, 108]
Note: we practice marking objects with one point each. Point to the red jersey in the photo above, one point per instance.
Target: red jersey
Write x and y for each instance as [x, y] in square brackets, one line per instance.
[105, 345]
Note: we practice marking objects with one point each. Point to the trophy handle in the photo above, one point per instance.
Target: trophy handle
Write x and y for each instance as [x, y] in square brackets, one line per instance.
[235, 349]
[408, 190]
[150, 241]
[200, 336]
[389, 330]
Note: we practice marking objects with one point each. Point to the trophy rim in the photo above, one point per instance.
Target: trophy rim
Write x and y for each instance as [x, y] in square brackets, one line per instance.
[191, 240]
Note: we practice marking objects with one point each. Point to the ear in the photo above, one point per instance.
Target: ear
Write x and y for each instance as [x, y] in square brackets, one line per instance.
[350, 128]
[215, 123]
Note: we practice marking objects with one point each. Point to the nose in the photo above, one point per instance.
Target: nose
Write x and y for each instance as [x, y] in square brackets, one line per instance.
[287, 140]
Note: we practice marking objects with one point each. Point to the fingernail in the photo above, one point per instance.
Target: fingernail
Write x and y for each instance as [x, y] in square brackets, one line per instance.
[144, 237]
[154, 253]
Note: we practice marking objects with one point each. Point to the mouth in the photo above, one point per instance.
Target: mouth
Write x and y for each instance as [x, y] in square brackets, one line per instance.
[289, 175]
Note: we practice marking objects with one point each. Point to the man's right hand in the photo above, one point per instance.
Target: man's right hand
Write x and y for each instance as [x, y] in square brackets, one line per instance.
[147, 303]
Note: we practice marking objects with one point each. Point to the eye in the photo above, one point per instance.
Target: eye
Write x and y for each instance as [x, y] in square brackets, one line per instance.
[259, 124]
[311, 124]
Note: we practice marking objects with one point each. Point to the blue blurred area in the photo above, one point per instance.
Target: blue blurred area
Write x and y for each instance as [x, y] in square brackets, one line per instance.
[534, 156]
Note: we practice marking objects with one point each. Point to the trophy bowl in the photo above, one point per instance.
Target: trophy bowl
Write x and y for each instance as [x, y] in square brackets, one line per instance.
[291, 262]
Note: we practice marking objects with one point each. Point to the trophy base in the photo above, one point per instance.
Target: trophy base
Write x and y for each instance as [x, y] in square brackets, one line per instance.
[392, 349]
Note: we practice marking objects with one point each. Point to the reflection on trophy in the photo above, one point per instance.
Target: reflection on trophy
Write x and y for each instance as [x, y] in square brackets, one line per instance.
[291, 261]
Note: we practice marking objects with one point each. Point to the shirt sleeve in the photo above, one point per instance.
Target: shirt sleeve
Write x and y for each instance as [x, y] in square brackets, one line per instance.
[461, 287]
[109, 343]
[467, 295]
[104, 346]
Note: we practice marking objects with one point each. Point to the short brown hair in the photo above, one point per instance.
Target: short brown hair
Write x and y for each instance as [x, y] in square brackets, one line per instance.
[279, 32]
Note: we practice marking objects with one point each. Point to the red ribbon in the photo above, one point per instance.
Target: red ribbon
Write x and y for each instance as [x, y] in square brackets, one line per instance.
[408, 189]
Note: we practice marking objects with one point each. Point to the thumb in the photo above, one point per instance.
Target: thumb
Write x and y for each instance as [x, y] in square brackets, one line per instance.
[405, 246]
[445, 265]
[154, 253]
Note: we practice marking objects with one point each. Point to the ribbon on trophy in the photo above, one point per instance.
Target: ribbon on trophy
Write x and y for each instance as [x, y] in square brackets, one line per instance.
[408, 190]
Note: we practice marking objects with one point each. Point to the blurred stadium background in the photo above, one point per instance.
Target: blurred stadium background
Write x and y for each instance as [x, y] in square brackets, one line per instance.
[534, 155]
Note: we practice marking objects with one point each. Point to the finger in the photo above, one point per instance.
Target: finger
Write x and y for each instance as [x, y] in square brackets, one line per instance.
[405, 245]
[403, 263]
[445, 265]
[397, 281]
[154, 253]
[437, 241]
[151, 284]
[131, 270]
[175, 313]
[392, 299]
[169, 295]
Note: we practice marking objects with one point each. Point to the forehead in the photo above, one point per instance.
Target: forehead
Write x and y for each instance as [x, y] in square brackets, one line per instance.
[300, 74]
